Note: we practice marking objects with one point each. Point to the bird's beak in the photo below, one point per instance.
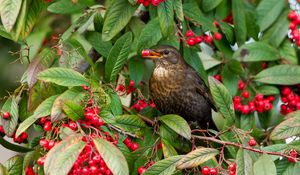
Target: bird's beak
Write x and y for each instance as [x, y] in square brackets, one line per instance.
[151, 54]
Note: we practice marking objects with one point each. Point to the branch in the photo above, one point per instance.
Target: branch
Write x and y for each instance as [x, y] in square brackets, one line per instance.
[225, 143]
[146, 119]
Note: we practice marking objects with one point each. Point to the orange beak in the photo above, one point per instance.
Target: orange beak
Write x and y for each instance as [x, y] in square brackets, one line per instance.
[151, 54]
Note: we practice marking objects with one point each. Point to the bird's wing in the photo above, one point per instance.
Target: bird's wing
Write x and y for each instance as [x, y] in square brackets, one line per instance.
[201, 88]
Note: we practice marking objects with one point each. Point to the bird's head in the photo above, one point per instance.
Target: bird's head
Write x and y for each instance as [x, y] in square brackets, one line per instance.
[164, 55]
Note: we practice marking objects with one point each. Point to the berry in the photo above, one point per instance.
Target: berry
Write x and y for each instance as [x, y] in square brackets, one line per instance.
[245, 109]
[191, 42]
[189, 33]
[245, 94]
[252, 142]
[293, 154]
[232, 167]
[213, 171]
[218, 77]
[44, 143]
[141, 170]
[217, 36]
[145, 53]
[41, 161]
[134, 146]
[241, 85]
[259, 97]
[205, 170]
[232, 172]
[155, 2]
[208, 39]
[72, 125]
[292, 15]
[198, 39]
[48, 126]
[237, 99]
[6, 115]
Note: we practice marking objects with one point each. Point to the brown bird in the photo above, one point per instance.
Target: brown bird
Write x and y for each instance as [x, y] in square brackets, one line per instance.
[176, 88]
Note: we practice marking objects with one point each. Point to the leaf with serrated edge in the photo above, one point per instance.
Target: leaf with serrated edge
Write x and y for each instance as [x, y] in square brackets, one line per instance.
[112, 156]
[244, 163]
[280, 74]
[177, 124]
[118, 56]
[196, 158]
[178, 8]
[60, 159]
[73, 110]
[239, 21]
[10, 125]
[287, 128]
[63, 77]
[264, 166]
[166, 17]
[117, 17]
[14, 165]
[168, 149]
[9, 10]
[223, 99]
[163, 167]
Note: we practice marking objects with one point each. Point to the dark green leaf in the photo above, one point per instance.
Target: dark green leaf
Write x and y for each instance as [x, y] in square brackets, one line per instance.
[168, 149]
[102, 47]
[222, 99]
[112, 156]
[73, 110]
[288, 53]
[244, 163]
[166, 17]
[177, 124]
[67, 6]
[14, 165]
[281, 74]
[63, 77]
[117, 17]
[208, 5]
[149, 36]
[28, 157]
[178, 9]
[136, 70]
[16, 148]
[254, 52]
[268, 11]
[130, 123]
[11, 106]
[239, 21]
[117, 57]
[196, 157]
[230, 80]
[267, 90]
[227, 30]
[115, 104]
[163, 167]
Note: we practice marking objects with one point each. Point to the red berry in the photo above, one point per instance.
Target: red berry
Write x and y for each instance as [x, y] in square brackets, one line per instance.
[292, 15]
[2, 130]
[241, 85]
[24, 136]
[217, 36]
[205, 170]
[134, 146]
[41, 161]
[218, 77]
[245, 109]
[286, 91]
[232, 167]
[293, 26]
[141, 170]
[237, 99]
[189, 33]
[245, 94]
[232, 172]
[259, 97]
[208, 39]
[48, 126]
[213, 171]
[294, 154]
[145, 53]
[252, 142]
[72, 125]
[44, 143]
[191, 42]
[51, 144]
[155, 2]
[6, 115]
[268, 106]
[198, 39]
[264, 65]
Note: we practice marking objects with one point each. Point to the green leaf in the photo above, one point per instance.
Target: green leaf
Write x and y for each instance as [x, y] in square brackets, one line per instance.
[112, 156]
[287, 128]
[208, 5]
[16, 148]
[60, 159]
[166, 17]
[73, 110]
[254, 52]
[208, 61]
[117, 17]
[196, 158]
[163, 167]
[292, 169]
[178, 8]
[63, 77]
[42, 110]
[192, 11]
[149, 36]
[11, 106]
[244, 163]
[168, 149]
[136, 70]
[28, 157]
[14, 165]
[268, 11]
[117, 57]
[239, 21]
[133, 2]
[115, 104]
[102, 47]
[9, 11]
[3, 170]
[130, 123]
[264, 166]
[222, 99]
[227, 29]
[288, 53]
[230, 80]
[177, 124]
[267, 90]
[280, 74]
[67, 6]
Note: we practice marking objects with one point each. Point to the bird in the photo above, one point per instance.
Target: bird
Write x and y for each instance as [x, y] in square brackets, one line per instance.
[176, 88]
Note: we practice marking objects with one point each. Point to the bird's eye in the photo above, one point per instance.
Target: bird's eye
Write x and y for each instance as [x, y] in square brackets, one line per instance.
[166, 52]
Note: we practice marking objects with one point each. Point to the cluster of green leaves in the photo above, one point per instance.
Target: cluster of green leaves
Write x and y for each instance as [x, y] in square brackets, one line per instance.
[119, 30]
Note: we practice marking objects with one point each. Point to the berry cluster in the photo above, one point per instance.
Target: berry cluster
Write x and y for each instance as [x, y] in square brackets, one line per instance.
[89, 162]
[142, 169]
[141, 104]
[121, 88]
[21, 138]
[232, 168]
[192, 39]
[47, 144]
[92, 117]
[259, 103]
[29, 171]
[294, 154]
[290, 100]
[148, 2]
[295, 21]
[131, 145]
[209, 171]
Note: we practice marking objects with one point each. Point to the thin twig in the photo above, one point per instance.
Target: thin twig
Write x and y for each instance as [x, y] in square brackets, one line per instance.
[123, 132]
[146, 119]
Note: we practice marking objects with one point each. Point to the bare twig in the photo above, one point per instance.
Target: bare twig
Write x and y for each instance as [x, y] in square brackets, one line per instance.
[146, 119]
